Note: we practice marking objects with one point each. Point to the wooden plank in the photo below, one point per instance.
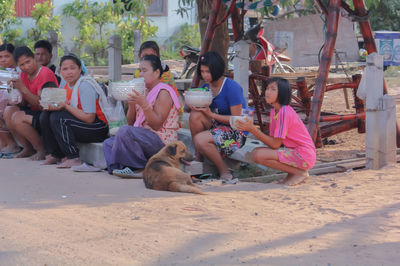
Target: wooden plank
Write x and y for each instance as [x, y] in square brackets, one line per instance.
[274, 177]
[325, 170]
[359, 164]
[264, 178]
[352, 165]
[362, 154]
[323, 165]
[295, 75]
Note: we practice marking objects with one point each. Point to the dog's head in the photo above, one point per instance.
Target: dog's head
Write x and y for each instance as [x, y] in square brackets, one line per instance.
[178, 151]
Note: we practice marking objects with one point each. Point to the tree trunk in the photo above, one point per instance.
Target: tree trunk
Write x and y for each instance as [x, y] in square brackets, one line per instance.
[220, 41]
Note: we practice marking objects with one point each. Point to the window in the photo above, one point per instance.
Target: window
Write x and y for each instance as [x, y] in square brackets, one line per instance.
[24, 8]
[158, 8]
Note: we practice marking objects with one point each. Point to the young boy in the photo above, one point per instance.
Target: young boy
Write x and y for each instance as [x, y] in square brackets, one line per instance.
[23, 119]
[43, 55]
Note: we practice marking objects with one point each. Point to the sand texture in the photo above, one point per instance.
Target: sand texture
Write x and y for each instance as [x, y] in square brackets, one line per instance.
[54, 216]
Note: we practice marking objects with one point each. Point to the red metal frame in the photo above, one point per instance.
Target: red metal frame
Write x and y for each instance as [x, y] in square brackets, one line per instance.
[327, 53]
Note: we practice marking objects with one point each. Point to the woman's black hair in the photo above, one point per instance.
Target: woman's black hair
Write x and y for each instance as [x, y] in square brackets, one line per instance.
[214, 62]
[7, 47]
[150, 45]
[284, 90]
[74, 58]
[21, 51]
[154, 61]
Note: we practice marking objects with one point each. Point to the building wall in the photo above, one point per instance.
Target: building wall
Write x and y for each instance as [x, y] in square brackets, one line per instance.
[167, 25]
[303, 37]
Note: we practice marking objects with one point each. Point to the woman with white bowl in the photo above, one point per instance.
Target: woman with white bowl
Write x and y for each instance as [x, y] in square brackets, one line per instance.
[212, 135]
[80, 118]
[153, 121]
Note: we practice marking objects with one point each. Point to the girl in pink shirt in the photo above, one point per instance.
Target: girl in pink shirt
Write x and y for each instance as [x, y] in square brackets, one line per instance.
[291, 148]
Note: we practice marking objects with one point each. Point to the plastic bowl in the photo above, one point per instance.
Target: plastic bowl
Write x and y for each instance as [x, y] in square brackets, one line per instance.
[198, 98]
[120, 90]
[233, 120]
[52, 96]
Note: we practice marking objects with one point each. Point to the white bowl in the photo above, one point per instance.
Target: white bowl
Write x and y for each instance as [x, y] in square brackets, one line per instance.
[120, 90]
[233, 119]
[52, 96]
[6, 75]
[198, 98]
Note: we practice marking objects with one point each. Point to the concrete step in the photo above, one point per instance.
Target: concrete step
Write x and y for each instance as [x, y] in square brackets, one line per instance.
[92, 153]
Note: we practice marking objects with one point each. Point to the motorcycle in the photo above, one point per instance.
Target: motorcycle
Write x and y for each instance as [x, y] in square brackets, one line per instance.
[191, 56]
[264, 50]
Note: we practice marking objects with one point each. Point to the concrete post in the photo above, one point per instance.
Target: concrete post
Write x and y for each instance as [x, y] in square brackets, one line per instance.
[387, 130]
[241, 65]
[380, 117]
[52, 37]
[136, 44]
[114, 58]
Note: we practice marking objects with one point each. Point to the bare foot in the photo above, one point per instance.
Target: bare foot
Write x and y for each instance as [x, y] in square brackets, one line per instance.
[283, 181]
[50, 160]
[38, 156]
[296, 179]
[25, 153]
[225, 176]
[70, 162]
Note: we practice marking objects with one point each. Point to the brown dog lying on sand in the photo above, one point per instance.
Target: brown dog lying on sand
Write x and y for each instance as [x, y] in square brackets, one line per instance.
[163, 170]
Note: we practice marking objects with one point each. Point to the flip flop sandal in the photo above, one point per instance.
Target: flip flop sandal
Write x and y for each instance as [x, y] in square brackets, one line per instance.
[207, 176]
[84, 167]
[195, 180]
[127, 173]
[7, 155]
[232, 181]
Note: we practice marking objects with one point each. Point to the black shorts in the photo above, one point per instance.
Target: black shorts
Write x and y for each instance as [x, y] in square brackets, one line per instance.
[35, 114]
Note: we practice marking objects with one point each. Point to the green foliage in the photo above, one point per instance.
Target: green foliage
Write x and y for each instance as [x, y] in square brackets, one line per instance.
[92, 18]
[94, 22]
[188, 34]
[44, 22]
[125, 28]
[7, 20]
[385, 15]
[131, 17]
[184, 6]
[393, 71]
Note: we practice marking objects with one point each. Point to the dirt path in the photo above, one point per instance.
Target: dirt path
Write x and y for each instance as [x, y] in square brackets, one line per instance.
[51, 216]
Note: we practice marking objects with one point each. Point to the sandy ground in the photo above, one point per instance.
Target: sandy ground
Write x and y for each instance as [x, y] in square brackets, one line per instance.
[51, 216]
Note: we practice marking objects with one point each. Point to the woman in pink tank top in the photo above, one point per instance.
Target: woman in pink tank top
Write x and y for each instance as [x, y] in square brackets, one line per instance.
[153, 121]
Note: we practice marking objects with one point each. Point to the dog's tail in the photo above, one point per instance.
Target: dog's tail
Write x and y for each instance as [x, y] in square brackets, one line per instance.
[177, 187]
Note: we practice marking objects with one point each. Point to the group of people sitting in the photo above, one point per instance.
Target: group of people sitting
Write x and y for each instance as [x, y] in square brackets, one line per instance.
[51, 134]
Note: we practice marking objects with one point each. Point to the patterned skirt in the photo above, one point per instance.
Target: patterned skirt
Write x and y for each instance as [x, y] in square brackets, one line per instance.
[291, 157]
[226, 138]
